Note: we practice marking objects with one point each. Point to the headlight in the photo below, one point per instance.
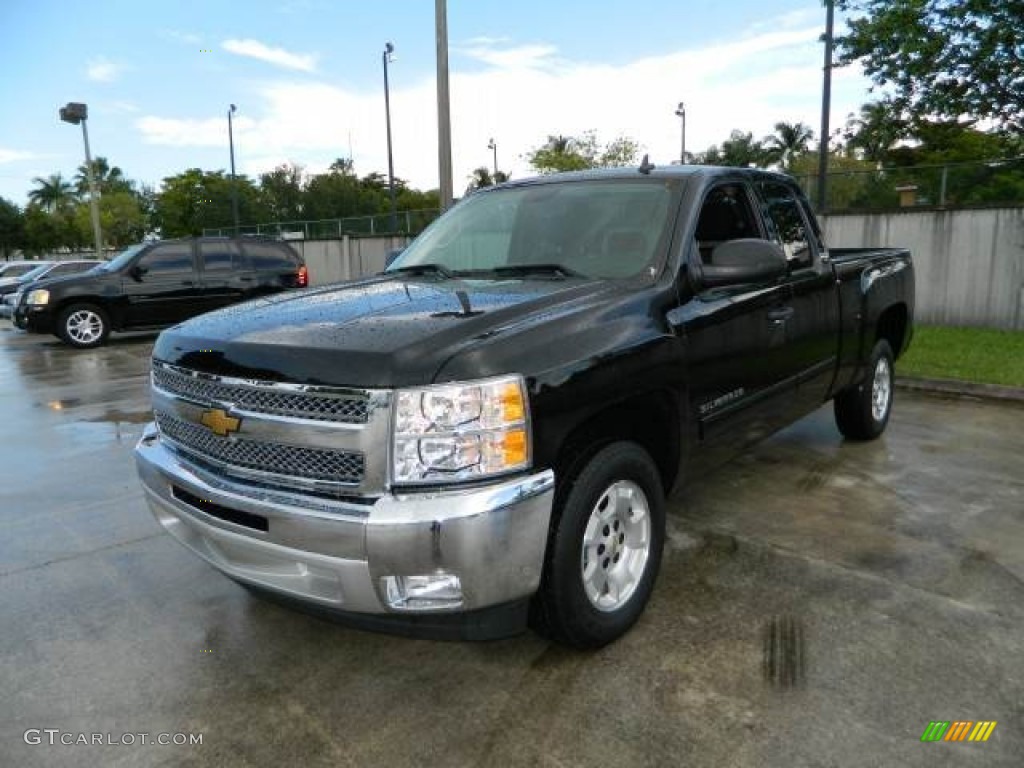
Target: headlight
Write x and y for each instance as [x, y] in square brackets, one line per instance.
[460, 431]
[39, 297]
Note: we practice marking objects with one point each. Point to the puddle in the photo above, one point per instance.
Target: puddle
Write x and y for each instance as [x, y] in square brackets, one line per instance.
[783, 652]
[123, 417]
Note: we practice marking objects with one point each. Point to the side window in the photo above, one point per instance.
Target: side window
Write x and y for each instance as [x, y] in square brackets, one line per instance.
[726, 214]
[270, 258]
[167, 260]
[219, 256]
[68, 269]
[783, 213]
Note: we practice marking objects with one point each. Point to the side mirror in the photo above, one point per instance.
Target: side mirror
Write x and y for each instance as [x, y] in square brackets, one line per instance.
[136, 272]
[392, 255]
[748, 260]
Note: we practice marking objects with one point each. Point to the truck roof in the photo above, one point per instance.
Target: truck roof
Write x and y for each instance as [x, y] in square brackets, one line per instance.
[652, 171]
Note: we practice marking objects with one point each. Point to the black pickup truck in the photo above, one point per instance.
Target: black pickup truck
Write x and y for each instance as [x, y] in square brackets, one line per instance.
[485, 434]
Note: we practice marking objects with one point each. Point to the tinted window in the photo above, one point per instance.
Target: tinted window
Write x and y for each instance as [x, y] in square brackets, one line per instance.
[169, 259]
[783, 211]
[599, 228]
[70, 269]
[266, 256]
[725, 215]
[19, 269]
[219, 256]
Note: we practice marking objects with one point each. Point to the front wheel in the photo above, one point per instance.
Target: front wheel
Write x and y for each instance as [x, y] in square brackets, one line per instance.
[605, 549]
[863, 412]
[83, 326]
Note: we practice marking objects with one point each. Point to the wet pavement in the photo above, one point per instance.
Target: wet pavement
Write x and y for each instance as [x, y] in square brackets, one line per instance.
[820, 603]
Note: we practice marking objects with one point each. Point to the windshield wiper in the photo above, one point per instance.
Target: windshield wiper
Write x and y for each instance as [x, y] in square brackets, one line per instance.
[556, 270]
[423, 269]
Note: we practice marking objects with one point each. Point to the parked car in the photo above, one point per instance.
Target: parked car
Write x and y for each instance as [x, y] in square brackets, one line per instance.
[157, 284]
[485, 433]
[11, 293]
[17, 268]
[10, 281]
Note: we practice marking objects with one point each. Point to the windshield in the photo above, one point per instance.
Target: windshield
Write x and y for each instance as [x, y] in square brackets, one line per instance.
[17, 270]
[33, 274]
[607, 229]
[122, 258]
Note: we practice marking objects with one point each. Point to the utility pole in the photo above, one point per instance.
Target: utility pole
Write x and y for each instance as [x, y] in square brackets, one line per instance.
[234, 181]
[493, 146]
[444, 123]
[681, 114]
[393, 218]
[826, 106]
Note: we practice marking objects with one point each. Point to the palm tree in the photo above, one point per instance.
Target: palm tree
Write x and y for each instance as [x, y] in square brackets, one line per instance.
[108, 178]
[51, 194]
[789, 140]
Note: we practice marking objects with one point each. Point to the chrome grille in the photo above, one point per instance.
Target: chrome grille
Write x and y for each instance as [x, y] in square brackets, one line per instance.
[289, 460]
[348, 409]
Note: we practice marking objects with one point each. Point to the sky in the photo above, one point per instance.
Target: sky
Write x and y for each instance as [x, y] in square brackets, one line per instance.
[307, 79]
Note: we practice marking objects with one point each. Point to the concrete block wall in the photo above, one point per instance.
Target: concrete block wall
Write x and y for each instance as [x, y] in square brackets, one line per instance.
[969, 263]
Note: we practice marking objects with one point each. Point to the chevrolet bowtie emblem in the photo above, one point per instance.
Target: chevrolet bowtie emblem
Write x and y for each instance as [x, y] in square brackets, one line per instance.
[219, 422]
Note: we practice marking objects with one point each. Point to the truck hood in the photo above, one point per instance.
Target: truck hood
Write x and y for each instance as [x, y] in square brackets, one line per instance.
[386, 331]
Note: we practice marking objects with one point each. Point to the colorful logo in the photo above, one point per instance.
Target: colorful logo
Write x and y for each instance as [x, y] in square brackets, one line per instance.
[958, 730]
[219, 422]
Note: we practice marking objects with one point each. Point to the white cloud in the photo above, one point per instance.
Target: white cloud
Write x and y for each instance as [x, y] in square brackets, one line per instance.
[520, 57]
[186, 38]
[523, 94]
[102, 70]
[14, 155]
[282, 58]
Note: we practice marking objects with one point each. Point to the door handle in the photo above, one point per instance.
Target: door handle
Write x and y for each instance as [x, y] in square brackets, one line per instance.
[189, 283]
[780, 315]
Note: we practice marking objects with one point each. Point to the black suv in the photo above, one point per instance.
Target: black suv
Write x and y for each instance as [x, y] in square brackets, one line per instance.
[157, 284]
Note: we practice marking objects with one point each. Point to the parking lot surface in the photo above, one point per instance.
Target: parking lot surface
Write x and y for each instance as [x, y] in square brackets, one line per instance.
[820, 603]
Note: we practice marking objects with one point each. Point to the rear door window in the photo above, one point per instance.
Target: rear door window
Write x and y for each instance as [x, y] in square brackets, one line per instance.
[267, 257]
[168, 260]
[219, 256]
[785, 217]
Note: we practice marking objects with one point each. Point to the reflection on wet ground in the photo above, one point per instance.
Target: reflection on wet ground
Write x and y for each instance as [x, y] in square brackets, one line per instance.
[820, 602]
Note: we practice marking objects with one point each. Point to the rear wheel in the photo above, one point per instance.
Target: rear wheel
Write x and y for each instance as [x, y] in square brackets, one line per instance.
[605, 549]
[83, 326]
[862, 413]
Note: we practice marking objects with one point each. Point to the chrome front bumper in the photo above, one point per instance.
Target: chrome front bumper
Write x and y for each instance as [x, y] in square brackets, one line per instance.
[339, 555]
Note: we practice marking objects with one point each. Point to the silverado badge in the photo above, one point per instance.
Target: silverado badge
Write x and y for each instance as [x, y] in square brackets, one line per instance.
[219, 422]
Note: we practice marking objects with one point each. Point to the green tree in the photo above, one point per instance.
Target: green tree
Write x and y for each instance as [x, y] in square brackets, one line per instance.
[196, 200]
[108, 178]
[12, 228]
[47, 231]
[561, 153]
[52, 193]
[740, 150]
[874, 132]
[789, 141]
[121, 217]
[941, 59]
[282, 190]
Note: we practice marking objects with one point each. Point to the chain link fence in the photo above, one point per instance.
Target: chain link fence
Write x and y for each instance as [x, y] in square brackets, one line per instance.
[997, 182]
[406, 223]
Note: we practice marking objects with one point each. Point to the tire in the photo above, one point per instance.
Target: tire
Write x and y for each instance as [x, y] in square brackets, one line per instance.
[576, 604]
[863, 411]
[83, 325]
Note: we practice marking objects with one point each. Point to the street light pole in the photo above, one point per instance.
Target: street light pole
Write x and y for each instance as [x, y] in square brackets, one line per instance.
[492, 145]
[826, 108]
[75, 113]
[681, 113]
[444, 122]
[386, 58]
[234, 181]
